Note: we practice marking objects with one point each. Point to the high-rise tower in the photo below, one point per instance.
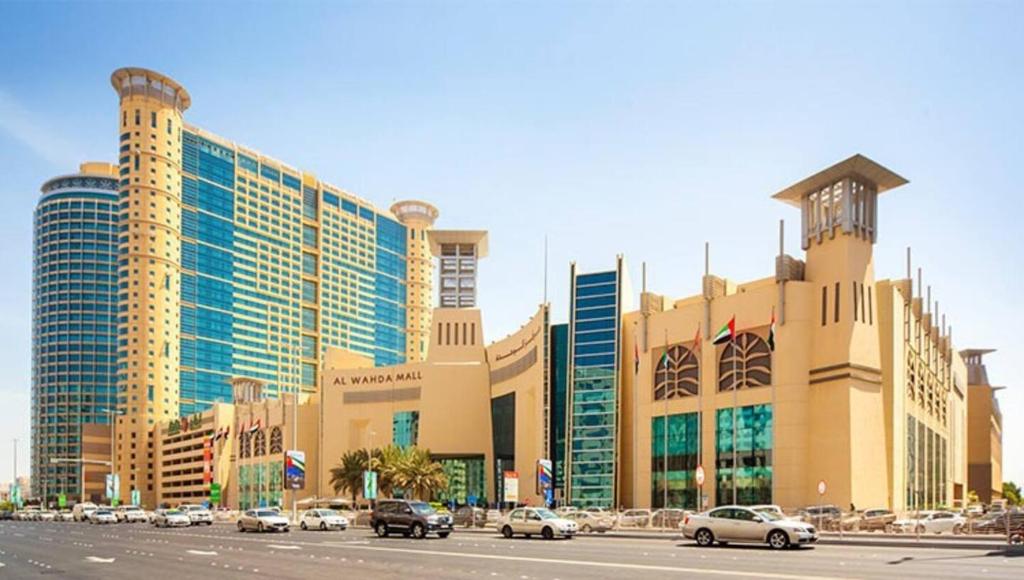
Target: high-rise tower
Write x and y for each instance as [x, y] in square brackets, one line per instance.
[74, 327]
[417, 217]
[459, 253]
[150, 126]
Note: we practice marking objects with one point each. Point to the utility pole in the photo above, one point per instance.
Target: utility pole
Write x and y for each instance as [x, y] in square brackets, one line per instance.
[14, 474]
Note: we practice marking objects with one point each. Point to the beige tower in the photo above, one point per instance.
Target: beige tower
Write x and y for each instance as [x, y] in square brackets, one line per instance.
[149, 124]
[417, 217]
[838, 231]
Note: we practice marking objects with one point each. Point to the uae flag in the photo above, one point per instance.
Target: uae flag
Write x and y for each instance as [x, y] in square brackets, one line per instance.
[256, 426]
[771, 333]
[664, 359]
[727, 333]
[696, 340]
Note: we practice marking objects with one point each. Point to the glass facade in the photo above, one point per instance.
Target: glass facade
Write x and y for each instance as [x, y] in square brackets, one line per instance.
[503, 438]
[74, 323]
[405, 428]
[275, 269]
[559, 387]
[260, 485]
[927, 469]
[674, 460]
[751, 477]
[593, 389]
[465, 480]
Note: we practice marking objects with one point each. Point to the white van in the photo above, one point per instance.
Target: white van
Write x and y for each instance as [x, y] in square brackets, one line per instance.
[81, 511]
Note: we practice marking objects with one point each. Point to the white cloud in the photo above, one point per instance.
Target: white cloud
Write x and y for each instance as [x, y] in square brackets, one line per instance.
[28, 129]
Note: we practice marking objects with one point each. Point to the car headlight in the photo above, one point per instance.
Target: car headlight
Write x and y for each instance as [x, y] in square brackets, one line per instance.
[433, 519]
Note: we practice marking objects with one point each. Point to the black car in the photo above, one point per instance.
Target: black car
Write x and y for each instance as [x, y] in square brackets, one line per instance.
[6, 515]
[410, 518]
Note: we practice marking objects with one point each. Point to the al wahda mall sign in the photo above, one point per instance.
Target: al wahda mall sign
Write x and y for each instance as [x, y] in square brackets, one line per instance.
[385, 378]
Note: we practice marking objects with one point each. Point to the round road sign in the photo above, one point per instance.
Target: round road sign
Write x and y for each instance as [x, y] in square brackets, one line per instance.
[822, 487]
[700, 475]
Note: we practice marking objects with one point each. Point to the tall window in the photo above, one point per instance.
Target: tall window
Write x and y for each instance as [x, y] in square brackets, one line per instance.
[676, 374]
[276, 441]
[259, 444]
[245, 446]
[674, 466]
[745, 362]
[752, 440]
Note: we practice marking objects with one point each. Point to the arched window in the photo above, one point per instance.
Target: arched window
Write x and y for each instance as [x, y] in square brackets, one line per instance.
[675, 374]
[276, 443]
[259, 444]
[245, 446]
[751, 359]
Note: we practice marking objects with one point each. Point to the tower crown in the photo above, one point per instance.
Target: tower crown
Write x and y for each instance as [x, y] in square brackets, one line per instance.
[134, 81]
[844, 195]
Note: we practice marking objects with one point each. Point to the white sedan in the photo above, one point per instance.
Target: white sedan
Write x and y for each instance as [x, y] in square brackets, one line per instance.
[741, 524]
[171, 519]
[543, 522]
[323, 519]
[102, 517]
[262, 520]
[930, 522]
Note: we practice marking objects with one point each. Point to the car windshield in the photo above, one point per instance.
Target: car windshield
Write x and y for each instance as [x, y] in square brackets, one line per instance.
[546, 514]
[422, 508]
[265, 513]
[327, 513]
[102, 512]
[173, 513]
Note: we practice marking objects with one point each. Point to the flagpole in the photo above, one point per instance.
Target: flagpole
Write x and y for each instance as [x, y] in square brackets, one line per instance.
[700, 412]
[664, 467]
[771, 359]
[735, 455]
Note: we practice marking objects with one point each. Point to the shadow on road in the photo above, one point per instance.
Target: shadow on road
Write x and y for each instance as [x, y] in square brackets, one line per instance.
[754, 547]
[1008, 552]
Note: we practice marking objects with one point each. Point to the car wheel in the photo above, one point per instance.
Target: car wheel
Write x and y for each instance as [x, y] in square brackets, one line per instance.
[1017, 539]
[323, 526]
[704, 538]
[418, 531]
[443, 535]
[241, 527]
[778, 540]
[382, 530]
[586, 529]
[259, 527]
[303, 526]
[507, 532]
[547, 533]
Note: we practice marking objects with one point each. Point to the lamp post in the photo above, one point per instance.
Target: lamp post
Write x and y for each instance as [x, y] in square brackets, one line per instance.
[112, 413]
[83, 463]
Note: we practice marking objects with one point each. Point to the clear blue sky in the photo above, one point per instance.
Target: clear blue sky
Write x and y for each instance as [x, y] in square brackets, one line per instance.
[641, 128]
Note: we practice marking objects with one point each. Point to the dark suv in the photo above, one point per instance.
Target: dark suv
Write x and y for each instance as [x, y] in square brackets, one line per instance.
[410, 518]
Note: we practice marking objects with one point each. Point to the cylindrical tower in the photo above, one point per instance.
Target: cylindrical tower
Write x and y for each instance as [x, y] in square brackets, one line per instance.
[150, 127]
[417, 217]
[74, 322]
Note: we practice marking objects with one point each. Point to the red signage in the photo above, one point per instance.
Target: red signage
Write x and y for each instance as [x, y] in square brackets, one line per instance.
[207, 460]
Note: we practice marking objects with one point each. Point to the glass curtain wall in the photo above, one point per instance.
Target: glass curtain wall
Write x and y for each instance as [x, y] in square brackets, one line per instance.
[752, 474]
[677, 467]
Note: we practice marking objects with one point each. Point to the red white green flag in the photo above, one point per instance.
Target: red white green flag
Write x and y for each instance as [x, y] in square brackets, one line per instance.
[771, 333]
[727, 333]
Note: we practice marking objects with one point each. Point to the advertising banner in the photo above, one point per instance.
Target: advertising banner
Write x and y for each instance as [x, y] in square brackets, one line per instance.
[113, 486]
[295, 469]
[545, 480]
[511, 486]
[370, 484]
[207, 460]
[136, 497]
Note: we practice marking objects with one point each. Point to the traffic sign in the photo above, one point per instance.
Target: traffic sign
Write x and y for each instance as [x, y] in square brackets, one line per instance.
[370, 484]
[471, 500]
[822, 487]
[62, 500]
[215, 493]
[136, 497]
[700, 475]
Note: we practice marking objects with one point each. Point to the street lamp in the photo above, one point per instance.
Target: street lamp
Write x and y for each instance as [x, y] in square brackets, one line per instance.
[83, 463]
[113, 431]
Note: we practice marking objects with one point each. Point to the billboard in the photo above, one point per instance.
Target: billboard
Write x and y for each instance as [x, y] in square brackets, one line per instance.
[295, 469]
[512, 486]
[545, 480]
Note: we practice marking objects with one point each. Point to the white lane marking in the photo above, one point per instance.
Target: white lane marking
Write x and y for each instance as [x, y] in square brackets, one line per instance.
[200, 553]
[277, 547]
[96, 560]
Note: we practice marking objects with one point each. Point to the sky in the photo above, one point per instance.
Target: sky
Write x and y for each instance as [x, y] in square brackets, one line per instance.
[639, 128]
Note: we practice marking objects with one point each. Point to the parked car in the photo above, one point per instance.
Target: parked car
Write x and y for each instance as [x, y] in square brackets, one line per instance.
[996, 524]
[82, 510]
[130, 514]
[29, 514]
[469, 516]
[769, 508]
[66, 516]
[636, 518]
[6, 515]
[47, 516]
[826, 517]
[410, 518]
[876, 519]
[587, 522]
[566, 510]
[165, 518]
[102, 516]
[262, 520]
[740, 524]
[668, 518]
[323, 519]
[540, 521]
[930, 522]
[197, 514]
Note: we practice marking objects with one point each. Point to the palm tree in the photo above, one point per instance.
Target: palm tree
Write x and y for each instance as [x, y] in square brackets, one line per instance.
[348, 475]
[419, 474]
[387, 461]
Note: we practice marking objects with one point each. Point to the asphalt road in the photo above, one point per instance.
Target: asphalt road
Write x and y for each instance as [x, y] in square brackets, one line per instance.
[38, 549]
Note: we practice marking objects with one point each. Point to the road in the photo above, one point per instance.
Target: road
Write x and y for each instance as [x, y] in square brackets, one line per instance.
[34, 549]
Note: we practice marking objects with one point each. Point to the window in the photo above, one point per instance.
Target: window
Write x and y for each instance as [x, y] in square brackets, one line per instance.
[824, 304]
[743, 462]
[745, 362]
[855, 302]
[276, 441]
[152, 119]
[259, 444]
[675, 374]
[837, 302]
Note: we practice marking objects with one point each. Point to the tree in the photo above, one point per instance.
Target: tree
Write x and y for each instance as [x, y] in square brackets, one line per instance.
[1011, 493]
[348, 475]
[420, 474]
